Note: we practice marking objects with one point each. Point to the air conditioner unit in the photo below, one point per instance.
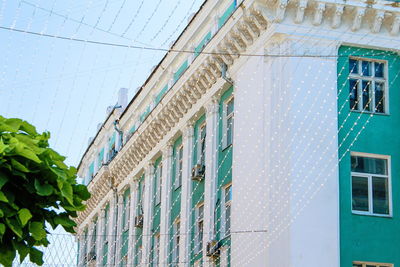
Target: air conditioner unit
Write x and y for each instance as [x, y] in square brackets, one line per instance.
[139, 221]
[213, 248]
[198, 172]
[91, 256]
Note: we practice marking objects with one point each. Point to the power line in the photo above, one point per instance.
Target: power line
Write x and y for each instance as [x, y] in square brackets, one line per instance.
[160, 49]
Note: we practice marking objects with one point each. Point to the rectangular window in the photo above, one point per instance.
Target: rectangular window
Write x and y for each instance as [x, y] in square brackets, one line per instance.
[158, 175]
[125, 210]
[175, 252]
[201, 147]
[368, 81]
[92, 252]
[371, 264]
[112, 151]
[105, 235]
[227, 209]
[156, 250]
[100, 158]
[370, 182]
[199, 228]
[228, 122]
[178, 167]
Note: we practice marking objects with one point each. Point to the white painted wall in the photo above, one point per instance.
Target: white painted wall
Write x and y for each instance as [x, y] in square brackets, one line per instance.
[285, 178]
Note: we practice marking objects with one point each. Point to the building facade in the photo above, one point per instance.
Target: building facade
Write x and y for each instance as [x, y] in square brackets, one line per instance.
[272, 144]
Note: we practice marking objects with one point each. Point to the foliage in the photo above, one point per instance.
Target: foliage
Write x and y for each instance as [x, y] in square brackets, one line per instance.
[35, 185]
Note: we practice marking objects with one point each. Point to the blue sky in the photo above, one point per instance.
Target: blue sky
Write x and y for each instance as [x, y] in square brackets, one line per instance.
[64, 86]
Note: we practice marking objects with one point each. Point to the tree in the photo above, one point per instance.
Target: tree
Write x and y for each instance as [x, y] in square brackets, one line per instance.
[36, 187]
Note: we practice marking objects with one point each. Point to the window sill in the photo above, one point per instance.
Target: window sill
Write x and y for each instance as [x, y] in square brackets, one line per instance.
[369, 112]
[371, 214]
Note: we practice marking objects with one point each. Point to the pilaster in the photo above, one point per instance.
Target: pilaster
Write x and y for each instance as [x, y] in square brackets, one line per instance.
[132, 214]
[210, 175]
[165, 203]
[118, 238]
[187, 142]
[147, 210]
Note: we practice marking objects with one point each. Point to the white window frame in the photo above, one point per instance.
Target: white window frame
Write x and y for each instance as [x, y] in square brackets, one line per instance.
[225, 204]
[377, 264]
[225, 118]
[198, 242]
[176, 244]
[178, 166]
[369, 176]
[372, 79]
[199, 143]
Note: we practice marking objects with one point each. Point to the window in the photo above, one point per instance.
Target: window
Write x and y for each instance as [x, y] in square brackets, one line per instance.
[105, 235]
[178, 166]
[156, 250]
[371, 264]
[125, 226]
[92, 252]
[158, 175]
[227, 209]
[199, 228]
[201, 145]
[175, 252]
[100, 158]
[368, 81]
[228, 122]
[111, 147]
[370, 185]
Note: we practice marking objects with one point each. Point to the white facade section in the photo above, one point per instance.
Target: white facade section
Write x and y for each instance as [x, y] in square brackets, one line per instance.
[285, 196]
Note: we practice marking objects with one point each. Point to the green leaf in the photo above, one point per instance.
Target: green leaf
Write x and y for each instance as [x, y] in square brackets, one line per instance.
[7, 255]
[22, 249]
[64, 220]
[3, 197]
[66, 191]
[36, 256]
[28, 128]
[18, 166]
[37, 230]
[29, 154]
[14, 123]
[2, 228]
[14, 225]
[43, 190]
[3, 179]
[2, 146]
[82, 191]
[24, 216]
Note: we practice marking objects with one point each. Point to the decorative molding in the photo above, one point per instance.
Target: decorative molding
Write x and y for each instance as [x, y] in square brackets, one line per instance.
[379, 17]
[280, 10]
[396, 25]
[302, 5]
[319, 12]
[337, 17]
[360, 12]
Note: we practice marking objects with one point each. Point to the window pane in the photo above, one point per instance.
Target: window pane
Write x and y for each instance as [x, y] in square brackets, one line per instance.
[360, 193]
[379, 69]
[229, 131]
[366, 100]
[379, 97]
[228, 220]
[368, 165]
[353, 66]
[366, 68]
[380, 195]
[228, 194]
[353, 94]
[229, 107]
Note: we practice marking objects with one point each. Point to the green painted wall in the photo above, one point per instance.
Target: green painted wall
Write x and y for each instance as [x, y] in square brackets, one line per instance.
[197, 192]
[369, 238]
[175, 207]
[155, 228]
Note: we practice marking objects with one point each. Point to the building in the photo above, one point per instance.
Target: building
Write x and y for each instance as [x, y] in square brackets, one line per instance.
[308, 176]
